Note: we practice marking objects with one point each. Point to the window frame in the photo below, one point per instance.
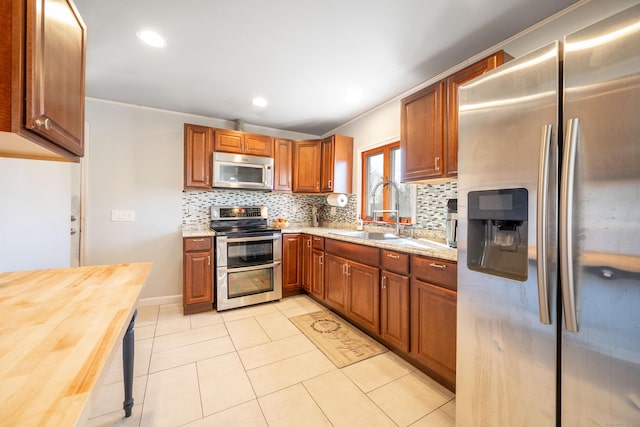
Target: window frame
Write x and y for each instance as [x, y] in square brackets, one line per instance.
[385, 150]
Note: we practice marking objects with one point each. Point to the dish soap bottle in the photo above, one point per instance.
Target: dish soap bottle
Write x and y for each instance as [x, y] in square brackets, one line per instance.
[359, 224]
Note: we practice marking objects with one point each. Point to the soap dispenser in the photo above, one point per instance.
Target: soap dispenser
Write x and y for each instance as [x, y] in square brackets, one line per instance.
[359, 224]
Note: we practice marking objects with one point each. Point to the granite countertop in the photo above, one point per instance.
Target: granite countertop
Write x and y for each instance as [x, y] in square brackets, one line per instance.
[420, 246]
[432, 247]
[200, 230]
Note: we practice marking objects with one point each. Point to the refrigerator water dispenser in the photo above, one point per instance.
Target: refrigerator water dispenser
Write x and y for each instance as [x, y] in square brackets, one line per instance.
[497, 232]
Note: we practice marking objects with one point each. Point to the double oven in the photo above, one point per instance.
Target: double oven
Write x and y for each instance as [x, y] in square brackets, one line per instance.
[248, 256]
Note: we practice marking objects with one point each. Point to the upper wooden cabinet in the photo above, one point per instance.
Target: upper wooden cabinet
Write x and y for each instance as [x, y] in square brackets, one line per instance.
[233, 141]
[323, 166]
[337, 164]
[42, 69]
[198, 149]
[421, 134]
[453, 83]
[283, 165]
[306, 166]
[429, 124]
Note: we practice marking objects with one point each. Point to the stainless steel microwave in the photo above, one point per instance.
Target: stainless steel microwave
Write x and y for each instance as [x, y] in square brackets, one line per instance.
[242, 171]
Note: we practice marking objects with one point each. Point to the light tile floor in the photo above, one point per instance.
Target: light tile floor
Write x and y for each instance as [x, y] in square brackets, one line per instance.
[253, 367]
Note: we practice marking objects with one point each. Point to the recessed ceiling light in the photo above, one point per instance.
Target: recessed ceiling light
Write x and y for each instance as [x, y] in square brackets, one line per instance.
[259, 102]
[151, 38]
[353, 95]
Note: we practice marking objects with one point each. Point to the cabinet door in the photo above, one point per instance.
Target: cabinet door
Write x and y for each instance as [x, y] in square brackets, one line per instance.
[422, 134]
[317, 274]
[229, 141]
[55, 67]
[198, 278]
[198, 149]
[283, 162]
[258, 145]
[394, 310]
[306, 263]
[453, 83]
[335, 284]
[433, 329]
[306, 166]
[291, 263]
[364, 295]
[326, 169]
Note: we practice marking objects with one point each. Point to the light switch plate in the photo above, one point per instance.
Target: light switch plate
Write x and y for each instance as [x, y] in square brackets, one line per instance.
[123, 215]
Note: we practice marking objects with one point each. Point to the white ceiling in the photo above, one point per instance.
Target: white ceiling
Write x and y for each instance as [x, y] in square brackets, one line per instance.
[302, 56]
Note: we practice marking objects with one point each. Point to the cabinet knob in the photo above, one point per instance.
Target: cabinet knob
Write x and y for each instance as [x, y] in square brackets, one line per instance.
[43, 121]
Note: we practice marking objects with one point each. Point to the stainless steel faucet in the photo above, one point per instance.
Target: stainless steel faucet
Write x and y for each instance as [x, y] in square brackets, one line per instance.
[396, 210]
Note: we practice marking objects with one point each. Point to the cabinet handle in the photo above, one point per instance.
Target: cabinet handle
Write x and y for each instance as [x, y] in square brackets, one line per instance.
[209, 260]
[393, 256]
[437, 163]
[348, 270]
[344, 269]
[321, 260]
[434, 265]
[384, 282]
[318, 185]
[197, 240]
[330, 183]
[43, 122]
[308, 243]
[317, 239]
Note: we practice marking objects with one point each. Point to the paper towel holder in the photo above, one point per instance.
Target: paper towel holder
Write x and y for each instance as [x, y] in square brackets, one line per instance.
[336, 199]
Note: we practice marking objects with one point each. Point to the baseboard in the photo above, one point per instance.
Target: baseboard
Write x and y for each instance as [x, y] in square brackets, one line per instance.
[169, 299]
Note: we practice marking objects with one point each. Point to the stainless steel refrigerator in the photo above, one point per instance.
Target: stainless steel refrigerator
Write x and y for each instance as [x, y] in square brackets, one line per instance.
[549, 235]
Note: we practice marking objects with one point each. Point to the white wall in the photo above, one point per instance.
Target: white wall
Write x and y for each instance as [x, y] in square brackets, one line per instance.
[135, 163]
[34, 214]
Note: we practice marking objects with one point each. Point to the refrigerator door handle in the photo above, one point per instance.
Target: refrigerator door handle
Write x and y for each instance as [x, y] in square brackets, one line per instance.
[566, 224]
[542, 224]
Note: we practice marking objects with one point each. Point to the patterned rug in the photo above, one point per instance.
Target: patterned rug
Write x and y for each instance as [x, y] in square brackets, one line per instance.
[342, 343]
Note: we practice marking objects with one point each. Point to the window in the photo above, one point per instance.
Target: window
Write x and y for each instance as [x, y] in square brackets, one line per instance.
[379, 166]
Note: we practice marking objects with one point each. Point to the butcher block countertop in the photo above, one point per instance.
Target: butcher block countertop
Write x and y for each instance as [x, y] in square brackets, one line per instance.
[59, 331]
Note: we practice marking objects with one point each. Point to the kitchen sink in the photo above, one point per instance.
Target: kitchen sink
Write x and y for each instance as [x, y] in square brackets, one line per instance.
[367, 235]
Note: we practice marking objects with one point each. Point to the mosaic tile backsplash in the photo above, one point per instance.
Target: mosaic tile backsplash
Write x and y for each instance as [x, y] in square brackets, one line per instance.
[431, 206]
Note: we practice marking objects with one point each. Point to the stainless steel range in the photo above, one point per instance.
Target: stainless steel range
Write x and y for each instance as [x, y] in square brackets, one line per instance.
[248, 256]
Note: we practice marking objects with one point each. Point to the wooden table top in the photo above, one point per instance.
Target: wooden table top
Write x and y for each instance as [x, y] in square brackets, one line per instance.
[59, 330]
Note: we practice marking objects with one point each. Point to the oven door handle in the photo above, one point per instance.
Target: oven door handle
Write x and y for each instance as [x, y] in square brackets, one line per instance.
[250, 268]
[251, 239]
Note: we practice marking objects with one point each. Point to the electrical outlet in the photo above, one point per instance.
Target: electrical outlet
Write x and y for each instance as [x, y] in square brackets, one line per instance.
[193, 209]
[121, 215]
[333, 210]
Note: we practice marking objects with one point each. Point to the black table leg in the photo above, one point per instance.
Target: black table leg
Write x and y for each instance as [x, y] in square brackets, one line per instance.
[128, 345]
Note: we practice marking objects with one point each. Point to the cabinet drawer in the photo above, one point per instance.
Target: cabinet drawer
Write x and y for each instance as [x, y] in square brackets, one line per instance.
[395, 261]
[197, 243]
[365, 254]
[436, 271]
[317, 243]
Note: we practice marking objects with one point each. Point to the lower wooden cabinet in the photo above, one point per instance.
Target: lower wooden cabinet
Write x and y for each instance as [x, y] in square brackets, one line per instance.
[291, 264]
[197, 281]
[394, 310]
[433, 330]
[306, 262]
[335, 282]
[351, 286]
